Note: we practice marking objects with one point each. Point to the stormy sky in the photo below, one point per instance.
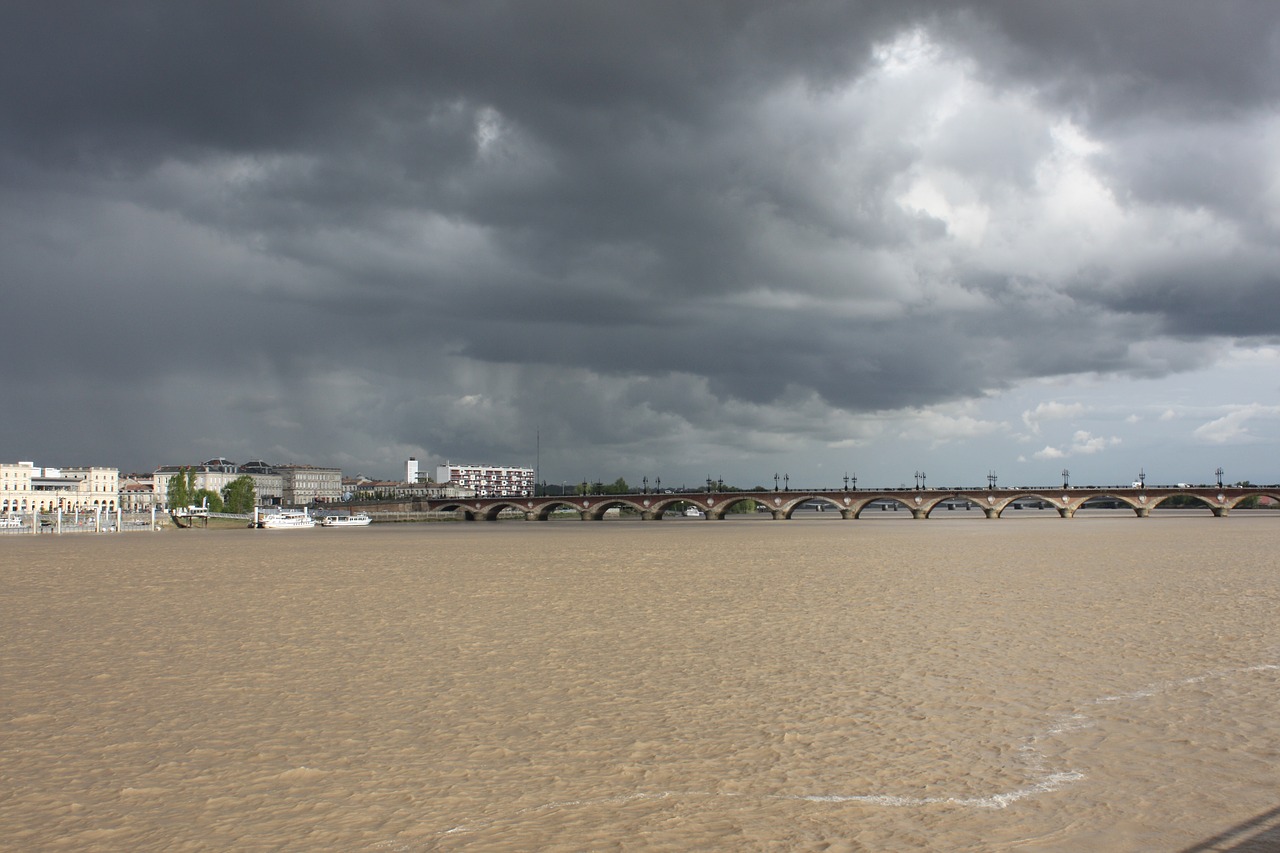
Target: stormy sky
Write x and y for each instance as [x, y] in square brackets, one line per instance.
[645, 239]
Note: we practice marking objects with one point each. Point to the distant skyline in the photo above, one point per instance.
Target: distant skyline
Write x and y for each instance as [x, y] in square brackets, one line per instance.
[725, 239]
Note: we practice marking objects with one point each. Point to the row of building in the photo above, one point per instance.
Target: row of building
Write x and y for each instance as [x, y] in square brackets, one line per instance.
[24, 487]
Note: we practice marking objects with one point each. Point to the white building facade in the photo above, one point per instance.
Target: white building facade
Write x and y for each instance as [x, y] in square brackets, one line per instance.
[24, 487]
[487, 481]
[216, 474]
[307, 484]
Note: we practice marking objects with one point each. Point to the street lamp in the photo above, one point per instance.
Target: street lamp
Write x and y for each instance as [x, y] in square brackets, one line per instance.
[658, 485]
[846, 481]
[991, 479]
[645, 480]
[1065, 482]
[854, 478]
[786, 482]
[775, 482]
[1142, 478]
[1219, 473]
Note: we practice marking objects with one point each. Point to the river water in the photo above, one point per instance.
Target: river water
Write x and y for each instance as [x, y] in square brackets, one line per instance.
[1099, 683]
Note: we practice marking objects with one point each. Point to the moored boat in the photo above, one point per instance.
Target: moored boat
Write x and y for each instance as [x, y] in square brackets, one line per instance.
[286, 519]
[360, 519]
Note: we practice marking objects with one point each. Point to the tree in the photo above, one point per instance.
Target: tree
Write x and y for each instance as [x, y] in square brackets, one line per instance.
[1249, 502]
[207, 498]
[238, 495]
[181, 490]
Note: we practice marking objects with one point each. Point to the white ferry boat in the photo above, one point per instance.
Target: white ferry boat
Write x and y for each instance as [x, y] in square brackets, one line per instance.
[286, 519]
[10, 522]
[360, 519]
[693, 512]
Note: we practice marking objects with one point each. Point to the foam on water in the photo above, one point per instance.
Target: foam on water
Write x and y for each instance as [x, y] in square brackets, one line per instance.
[1044, 781]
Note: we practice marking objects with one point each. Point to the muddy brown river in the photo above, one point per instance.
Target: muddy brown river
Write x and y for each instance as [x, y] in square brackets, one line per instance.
[1031, 684]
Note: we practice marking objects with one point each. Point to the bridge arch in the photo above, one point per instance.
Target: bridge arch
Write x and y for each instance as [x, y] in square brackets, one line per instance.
[787, 509]
[885, 501]
[545, 508]
[1195, 500]
[995, 507]
[1140, 507]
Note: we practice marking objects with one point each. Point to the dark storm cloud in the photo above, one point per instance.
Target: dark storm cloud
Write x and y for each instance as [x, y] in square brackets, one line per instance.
[380, 227]
[1131, 61]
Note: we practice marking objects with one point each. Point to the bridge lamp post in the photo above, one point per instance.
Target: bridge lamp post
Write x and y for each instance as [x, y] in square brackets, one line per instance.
[991, 479]
[855, 482]
[645, 480]
[658, 485]
[846, 481]
[775, 482]
[709, 484]
[1065, 482]
[1142, 478]
[1219, 473]
[720, 484]
[786, 482]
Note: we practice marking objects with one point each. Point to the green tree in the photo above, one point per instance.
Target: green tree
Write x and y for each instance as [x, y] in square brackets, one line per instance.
[181, 490]
[1250, 502]
[238, 495]
[207, 498]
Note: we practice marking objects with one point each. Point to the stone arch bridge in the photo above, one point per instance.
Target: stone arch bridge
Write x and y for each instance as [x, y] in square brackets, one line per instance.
[849, 503]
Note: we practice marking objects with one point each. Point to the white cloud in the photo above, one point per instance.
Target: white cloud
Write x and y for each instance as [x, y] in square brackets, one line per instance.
[1234, 426]
[1051, 411]
[1084, 443]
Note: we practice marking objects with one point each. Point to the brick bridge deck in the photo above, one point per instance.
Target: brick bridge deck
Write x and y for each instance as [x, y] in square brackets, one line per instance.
[849, 503]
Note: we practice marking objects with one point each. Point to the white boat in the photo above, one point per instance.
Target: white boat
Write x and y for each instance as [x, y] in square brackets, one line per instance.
[357, 520]
[286, 519]
[693, 512]
[10, 522]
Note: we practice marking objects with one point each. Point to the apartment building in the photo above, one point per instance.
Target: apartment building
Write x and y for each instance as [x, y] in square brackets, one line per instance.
[487, 481]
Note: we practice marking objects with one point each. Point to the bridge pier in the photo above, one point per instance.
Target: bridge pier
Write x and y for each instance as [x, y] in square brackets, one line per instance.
[1220, 511]
[990, 512]
[1066, 512]
[918, 513]
[1142, 511]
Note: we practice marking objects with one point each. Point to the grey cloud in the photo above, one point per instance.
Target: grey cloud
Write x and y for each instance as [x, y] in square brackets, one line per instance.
[653, 214]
